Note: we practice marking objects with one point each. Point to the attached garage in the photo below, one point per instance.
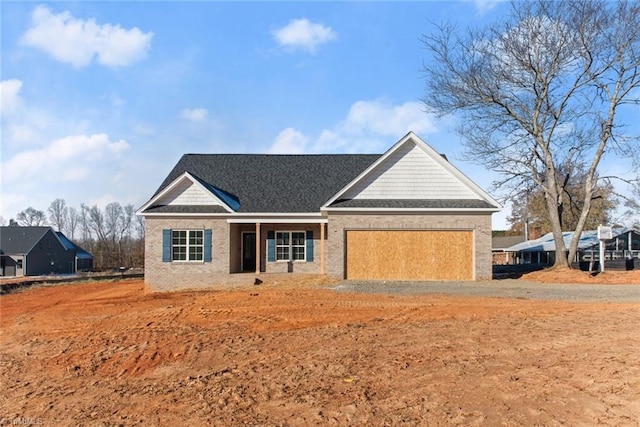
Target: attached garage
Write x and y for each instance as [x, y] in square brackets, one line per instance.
[409, 255]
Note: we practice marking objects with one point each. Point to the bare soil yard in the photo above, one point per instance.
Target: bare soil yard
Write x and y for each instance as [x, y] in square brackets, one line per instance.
[295, 353]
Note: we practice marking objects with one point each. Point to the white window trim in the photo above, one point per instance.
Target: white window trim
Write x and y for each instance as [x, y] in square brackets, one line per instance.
[291, 246]
[188, 246]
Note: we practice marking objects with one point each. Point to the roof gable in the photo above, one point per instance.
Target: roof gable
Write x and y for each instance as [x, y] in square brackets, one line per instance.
[189, 190]
[410, 171]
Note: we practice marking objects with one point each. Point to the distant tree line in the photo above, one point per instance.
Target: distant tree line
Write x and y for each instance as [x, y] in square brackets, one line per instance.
[113, 235]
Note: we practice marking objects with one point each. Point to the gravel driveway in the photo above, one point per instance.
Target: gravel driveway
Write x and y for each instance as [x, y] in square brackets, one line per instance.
[507, 288]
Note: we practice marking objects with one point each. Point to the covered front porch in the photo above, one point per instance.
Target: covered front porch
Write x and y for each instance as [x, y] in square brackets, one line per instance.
[277, 245]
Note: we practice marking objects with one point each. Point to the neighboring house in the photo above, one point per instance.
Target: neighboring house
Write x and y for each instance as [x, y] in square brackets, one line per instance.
[501, 253]
[407, 214]
[624, 245]
[36, 251]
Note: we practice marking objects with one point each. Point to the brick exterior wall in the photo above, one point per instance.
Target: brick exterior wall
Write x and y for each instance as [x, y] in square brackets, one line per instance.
[297, 266]
[162, 276]
[479, 223]
[226, 253]
[226, 246]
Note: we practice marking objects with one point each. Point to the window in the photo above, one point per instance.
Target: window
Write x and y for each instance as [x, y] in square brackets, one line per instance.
[290, 246]
[187, 245]
[298, 245]
[282, 246]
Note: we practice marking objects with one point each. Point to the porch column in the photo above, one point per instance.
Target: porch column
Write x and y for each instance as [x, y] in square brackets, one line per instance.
[258, 257]
[322, 248]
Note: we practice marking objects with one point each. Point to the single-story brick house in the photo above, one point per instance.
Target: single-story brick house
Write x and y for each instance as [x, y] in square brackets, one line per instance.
[407, 214]
[37, 251]
[624, 245]
[500, 249]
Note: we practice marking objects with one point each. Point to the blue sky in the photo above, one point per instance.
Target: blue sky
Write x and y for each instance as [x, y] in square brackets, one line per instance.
[100, 99]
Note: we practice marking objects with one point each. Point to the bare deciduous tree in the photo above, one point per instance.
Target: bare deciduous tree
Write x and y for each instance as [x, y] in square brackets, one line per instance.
[128, 212]
[72, 224]
[113, 235]
[139, 226]
[541, 91]
[31, 217]
[112, 229]
[58, 214]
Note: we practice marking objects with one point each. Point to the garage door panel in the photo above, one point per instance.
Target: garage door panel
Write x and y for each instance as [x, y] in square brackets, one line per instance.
[409, 255]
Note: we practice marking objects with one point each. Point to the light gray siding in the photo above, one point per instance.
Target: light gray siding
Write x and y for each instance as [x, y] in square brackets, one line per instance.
[188, 193]
[410, 173]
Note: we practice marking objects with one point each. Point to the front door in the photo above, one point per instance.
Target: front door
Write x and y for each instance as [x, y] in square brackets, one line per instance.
[248, 251]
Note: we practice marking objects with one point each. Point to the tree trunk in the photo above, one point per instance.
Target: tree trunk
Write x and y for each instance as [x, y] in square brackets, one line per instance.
[553, 207]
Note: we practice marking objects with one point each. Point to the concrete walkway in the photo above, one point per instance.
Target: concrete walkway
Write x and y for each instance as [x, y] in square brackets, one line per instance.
[507, 288]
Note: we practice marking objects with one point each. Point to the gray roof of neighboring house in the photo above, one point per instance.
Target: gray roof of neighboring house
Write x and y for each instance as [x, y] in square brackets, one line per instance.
[20, 240]
[69, 245]
[271, 183]
[504, 242]
[588, 239]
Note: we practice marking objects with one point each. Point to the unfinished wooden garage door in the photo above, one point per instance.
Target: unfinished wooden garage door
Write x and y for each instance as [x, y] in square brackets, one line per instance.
[409, 255]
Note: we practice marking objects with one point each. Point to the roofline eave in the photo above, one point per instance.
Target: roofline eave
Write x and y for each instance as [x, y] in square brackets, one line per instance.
[416, 210]
[232, 215]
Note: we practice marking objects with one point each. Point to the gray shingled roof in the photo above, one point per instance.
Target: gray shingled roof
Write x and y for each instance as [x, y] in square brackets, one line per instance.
[20, 240]
[503, 242]
[263, 183]
[271, 183]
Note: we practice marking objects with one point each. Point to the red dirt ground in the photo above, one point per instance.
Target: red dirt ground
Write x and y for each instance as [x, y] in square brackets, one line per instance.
[295, 353]
[565, 275]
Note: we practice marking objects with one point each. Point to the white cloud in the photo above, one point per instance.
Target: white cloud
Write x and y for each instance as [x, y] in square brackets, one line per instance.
[9, 200]
[368, 127]
[143, 129]
[9, 95]
[103, 200]
[77, 41]
[65, 159]
[484, 6]
[289, 141]
[384, 118]
[21, 124]
[194, 114]
[302, 34]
